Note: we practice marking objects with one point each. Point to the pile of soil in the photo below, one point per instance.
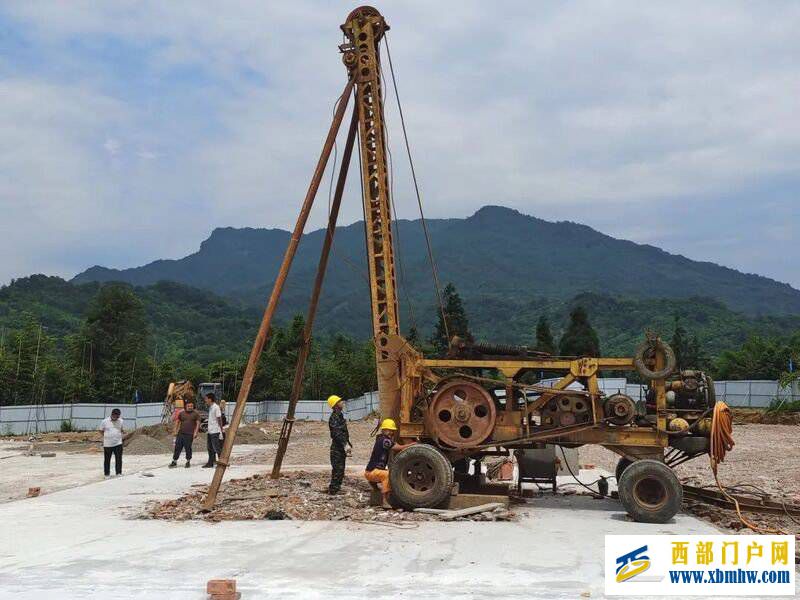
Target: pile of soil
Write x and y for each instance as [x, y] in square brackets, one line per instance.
[145, 444]
[154, 439]
[296, 496]
[159, 439]
[758, 415]
[266, 432]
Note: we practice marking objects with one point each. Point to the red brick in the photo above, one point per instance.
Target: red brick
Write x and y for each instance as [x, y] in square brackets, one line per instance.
[221, 586]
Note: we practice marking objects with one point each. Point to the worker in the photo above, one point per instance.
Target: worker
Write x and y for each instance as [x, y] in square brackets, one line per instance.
[186, 428]
[222, 405]
[113, 430]
[215, 428]
[339, 439]
[377, 472]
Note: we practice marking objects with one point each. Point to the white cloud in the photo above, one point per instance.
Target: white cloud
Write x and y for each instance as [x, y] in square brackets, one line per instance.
[111, 146]
[563, 110]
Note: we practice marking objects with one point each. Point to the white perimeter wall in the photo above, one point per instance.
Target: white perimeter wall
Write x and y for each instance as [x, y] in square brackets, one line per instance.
[18, 420]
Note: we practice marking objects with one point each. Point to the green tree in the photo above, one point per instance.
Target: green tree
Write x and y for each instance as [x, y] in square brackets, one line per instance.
[679, 343]
[457, 322]
[579, 339]
[758, 358]
[115, 335]
[31, 367]
[696, 357]
[544, 337]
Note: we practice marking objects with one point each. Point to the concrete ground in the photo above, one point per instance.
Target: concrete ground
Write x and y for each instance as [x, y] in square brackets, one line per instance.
[85, 542]
[65, 470]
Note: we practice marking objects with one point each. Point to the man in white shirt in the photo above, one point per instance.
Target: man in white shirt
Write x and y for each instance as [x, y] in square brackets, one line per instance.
[112, 428]
[215, 425]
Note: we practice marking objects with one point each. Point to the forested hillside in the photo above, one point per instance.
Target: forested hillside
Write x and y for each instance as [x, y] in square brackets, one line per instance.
[499, 259]
[64, 341]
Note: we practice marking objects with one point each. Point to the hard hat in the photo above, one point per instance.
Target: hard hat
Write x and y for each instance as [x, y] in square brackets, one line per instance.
[389, 424]
[333, 400]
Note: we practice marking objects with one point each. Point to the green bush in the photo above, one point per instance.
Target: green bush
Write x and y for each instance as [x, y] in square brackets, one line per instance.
[66, 426]
[783, 405]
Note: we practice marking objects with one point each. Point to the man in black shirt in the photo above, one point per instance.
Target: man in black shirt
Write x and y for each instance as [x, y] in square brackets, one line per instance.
[377, 472]
[339, 439]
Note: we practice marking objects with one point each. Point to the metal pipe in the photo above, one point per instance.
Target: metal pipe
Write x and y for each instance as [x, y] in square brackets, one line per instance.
[297, 385]
[277, 289]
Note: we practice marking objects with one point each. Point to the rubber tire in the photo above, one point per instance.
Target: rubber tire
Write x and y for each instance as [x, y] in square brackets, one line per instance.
[652, 469]
[404, 494]
[622, 464]
[641, 367]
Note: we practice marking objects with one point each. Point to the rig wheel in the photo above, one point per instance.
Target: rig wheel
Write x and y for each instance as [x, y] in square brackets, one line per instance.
[650, 491]
[421, 477]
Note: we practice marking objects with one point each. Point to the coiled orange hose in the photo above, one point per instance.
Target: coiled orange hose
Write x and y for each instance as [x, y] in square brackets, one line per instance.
[721, 434]
[721, 443]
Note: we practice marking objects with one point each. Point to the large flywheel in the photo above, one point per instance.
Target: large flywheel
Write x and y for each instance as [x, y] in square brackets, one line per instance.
[461, 414]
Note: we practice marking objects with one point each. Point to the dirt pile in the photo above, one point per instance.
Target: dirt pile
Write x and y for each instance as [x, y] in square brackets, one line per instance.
[756, 415]
[153, 439]
[259, 433]
[250, 433]
[145, 444]
[298, 496]
[159, 432]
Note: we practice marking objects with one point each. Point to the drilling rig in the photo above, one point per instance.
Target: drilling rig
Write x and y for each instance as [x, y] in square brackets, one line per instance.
[473, 402]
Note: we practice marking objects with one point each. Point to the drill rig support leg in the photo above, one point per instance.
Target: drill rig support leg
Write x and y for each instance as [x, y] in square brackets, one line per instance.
[280, 280]
[297, 385]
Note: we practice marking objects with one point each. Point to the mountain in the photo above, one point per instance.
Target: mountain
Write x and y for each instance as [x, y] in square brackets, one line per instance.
[500, 261]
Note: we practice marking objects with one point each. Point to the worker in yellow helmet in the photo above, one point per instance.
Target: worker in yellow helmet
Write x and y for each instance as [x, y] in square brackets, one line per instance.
[340, 438]
[377, 472]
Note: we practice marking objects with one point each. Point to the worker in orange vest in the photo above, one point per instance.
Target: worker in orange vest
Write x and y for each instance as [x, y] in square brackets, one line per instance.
[377, 472]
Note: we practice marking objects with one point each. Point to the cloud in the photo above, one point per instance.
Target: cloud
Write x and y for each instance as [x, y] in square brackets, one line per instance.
[149, 118]
[111, 146]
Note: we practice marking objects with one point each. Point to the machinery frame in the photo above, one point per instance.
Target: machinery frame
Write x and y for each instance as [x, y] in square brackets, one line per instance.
[454, 405]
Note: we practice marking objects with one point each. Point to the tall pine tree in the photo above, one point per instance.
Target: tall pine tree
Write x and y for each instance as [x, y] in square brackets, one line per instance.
[679, 343]
[544, 337]
[689, 352]
[580, 339]
[457, 322]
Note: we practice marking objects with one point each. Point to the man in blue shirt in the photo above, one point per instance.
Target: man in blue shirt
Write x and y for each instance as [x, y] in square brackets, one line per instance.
[377, 471]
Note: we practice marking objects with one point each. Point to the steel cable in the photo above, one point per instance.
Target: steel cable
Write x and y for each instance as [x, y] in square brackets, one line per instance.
[402, 280]
[434, 271]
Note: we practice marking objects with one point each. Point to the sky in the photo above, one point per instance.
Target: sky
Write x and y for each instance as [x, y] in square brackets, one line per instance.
[131, 129]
